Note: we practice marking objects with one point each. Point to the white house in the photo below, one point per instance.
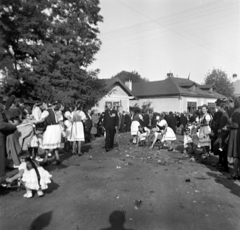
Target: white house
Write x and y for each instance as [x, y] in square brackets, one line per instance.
[118, 95]
[174, 94]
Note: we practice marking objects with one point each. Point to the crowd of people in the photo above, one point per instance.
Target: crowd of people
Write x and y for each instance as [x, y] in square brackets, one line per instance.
[208, 131]
[26, 129]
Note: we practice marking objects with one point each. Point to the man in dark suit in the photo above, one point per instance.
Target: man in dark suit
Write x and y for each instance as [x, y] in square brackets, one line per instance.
[172, 122]
[183, 121]
[146, 119]
[110, 123]
[5, 129]
[127, 122]
[88, 125]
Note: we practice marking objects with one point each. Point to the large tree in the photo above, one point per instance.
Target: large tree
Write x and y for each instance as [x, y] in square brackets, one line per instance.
[221, 82]
[50, 44]
[134, 76]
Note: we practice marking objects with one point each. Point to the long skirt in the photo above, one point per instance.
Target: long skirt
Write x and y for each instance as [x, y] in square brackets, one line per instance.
[232, 144]
[77, 133]
[134, 128]
[204, 139]
[169, 135]
[52, 137]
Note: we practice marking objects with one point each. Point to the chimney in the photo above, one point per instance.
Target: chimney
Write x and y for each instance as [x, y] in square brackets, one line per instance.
[169, 74]
[234, 77]
[129, 84]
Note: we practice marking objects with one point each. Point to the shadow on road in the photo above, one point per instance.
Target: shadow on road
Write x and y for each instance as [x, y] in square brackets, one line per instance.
[41, 221]
[117, 220]
[234, 188]
[52, 187]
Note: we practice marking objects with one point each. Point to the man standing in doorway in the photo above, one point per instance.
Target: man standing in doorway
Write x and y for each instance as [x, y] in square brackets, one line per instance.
[110, 123]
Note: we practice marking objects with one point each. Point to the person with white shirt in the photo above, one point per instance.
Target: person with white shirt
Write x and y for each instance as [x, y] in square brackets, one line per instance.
[77, 134]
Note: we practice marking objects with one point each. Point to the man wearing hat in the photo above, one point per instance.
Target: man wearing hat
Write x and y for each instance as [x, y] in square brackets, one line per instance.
[5, 128]
[215, 125]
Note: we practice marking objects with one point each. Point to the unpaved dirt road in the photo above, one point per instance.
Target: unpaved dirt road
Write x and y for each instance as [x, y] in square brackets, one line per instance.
[133, 188]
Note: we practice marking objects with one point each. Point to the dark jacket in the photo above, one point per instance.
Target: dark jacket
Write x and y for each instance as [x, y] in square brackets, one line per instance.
[183, 120]
[111, 119]
[171, 120]
[88, 122]
[5, 127]
[146, 120]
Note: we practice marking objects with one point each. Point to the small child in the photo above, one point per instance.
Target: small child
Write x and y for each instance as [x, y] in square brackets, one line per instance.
[142, 134]
[67, 130]
[33, 176]
[190, 138]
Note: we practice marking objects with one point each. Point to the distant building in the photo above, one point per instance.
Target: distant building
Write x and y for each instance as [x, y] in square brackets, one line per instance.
[174, 94]
[118, 95]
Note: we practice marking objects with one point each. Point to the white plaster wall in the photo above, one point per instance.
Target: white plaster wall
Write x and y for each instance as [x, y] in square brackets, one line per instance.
[174, 104]
[117, 94]
[161, 104]
[199, 101]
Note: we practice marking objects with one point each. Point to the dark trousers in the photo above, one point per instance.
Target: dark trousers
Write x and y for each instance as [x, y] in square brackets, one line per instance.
[223, 160]
[2, 156]
[87, 136]
[109, 138]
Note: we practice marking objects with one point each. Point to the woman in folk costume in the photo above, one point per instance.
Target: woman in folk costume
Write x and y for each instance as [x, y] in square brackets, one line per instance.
[205, 131]
[234, 139]
[58, 110]
[95, 120]
[163, 132]
[53, 134]
[77, 134]
[137, 119]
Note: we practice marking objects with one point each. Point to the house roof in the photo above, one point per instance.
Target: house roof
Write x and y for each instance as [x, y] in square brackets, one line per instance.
[171, 86]
[111, 82]
[206, 87]
[236, 85]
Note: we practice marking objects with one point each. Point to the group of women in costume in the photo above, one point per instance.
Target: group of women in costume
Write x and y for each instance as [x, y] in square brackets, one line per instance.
[46, 128]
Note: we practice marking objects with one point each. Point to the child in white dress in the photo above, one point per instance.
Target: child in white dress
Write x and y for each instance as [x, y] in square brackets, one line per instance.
[33, 176]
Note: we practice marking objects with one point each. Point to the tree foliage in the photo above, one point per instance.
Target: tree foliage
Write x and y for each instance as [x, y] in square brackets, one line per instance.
[50, 44]
[144, 108]
[133, 76]
[221, 82]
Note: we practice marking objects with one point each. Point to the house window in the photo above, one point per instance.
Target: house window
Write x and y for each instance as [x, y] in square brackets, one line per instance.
[191, 106]
[114, 104]
[211, 106]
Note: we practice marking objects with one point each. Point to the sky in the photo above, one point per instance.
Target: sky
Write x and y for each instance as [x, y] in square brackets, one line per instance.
[154, 37]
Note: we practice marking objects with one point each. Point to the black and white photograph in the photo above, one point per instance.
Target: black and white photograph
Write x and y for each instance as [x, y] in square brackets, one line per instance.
[119, 114]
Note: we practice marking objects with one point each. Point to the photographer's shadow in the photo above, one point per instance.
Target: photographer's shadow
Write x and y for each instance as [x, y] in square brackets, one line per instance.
[117, 220]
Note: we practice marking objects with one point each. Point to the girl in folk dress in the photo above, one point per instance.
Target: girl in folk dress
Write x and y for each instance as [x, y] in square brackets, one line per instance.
[68, 129]
[204, 132]
[33, 176]
[53, 134]
[137, 118]
[36, 141]
[164, 133]
[77, 134]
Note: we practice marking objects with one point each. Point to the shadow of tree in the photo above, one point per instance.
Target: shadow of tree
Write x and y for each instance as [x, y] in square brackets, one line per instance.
[41, 221]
